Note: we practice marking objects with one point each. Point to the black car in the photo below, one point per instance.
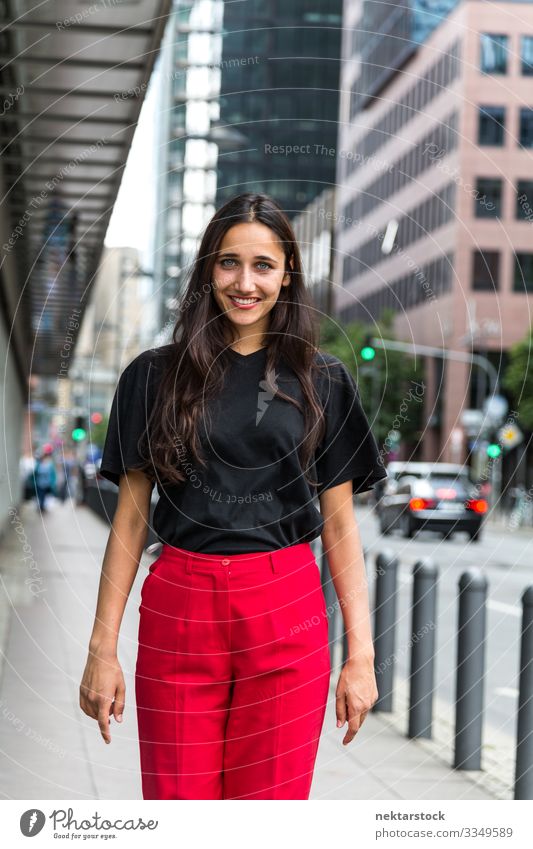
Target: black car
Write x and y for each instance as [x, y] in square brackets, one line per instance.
[436, 502]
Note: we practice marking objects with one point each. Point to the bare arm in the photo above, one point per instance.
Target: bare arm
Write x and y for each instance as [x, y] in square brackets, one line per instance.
[357, 690]
[124, 548]
[102, 680]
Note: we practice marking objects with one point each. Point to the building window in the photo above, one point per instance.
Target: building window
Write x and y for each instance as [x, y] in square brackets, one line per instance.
[524, 200]
[526, 127]
[493, 50]
[491, 124]
[486, 270]
[523, 273]
[488, 200]
[526, 55]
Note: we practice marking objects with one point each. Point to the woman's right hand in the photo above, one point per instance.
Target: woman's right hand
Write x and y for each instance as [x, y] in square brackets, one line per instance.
[103, 690]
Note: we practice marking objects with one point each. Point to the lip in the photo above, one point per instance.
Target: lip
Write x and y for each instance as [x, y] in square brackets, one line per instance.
[243, 306]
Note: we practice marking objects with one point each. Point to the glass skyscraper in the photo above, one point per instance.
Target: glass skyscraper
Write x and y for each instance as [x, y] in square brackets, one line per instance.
[280, 99]
[387, 36]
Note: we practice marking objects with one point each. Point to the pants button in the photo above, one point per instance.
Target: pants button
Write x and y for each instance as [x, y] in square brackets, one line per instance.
[225, 562]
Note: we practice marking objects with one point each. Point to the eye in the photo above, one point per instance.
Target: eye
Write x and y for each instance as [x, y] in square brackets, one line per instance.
[265, 265]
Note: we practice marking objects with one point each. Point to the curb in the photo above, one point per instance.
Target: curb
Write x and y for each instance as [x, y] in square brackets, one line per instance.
[496, 777]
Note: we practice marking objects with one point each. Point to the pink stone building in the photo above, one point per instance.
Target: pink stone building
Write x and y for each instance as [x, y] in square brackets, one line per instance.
[434, 197]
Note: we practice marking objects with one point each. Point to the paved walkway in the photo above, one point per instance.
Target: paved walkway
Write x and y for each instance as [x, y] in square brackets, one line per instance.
[51, 750]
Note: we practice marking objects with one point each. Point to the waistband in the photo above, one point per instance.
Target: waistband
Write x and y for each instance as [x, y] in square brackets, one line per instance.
[277, 560]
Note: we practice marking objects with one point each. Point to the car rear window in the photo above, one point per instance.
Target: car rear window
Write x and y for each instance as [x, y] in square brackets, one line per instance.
[460, 483]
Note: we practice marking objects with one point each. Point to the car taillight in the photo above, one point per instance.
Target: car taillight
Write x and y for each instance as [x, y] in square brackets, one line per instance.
[421, 503]
[478, 505]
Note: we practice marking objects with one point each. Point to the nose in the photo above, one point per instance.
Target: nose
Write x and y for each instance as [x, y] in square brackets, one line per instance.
[244, 281]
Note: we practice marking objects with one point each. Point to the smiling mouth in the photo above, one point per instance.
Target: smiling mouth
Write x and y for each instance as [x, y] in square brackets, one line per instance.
[245, 302]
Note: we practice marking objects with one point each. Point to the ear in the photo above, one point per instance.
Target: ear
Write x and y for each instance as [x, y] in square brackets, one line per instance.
[286, 276]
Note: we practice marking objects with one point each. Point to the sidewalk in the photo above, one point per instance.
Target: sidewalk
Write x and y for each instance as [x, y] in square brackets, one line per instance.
[53, 751]
[504, 522]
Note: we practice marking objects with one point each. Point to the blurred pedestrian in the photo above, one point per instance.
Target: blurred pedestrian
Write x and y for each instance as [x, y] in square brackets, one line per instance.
[485, 489]
[26, 466]
[65, 472]
[45, 479]
[69, 476]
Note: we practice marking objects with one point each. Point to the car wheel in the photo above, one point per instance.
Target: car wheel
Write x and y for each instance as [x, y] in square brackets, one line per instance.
[475, 537]
[407, 528]
[384, 529]
[447, 534]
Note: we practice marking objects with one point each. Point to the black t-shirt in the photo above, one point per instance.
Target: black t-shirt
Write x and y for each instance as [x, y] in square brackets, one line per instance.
[252, 495]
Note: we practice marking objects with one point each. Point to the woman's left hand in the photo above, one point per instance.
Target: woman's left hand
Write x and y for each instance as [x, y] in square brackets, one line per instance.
[356, 693]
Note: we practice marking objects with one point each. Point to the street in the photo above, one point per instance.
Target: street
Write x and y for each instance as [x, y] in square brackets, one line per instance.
[506, 558]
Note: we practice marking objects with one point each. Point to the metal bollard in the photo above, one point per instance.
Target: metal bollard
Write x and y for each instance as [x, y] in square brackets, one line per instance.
[470, 670]
[523, 786]
[384, 627]
[344, 634]
[422, 674]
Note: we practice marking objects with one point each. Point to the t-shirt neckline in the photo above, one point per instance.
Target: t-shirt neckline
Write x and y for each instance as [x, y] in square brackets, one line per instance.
[245, 357]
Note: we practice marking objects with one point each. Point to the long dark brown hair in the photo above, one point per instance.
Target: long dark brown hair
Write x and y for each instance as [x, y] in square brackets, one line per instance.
[199, 357]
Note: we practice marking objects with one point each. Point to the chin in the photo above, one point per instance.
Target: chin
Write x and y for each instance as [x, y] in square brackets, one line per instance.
[243, 319]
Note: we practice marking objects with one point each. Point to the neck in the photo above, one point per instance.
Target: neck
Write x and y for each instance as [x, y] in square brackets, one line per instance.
[245, 342]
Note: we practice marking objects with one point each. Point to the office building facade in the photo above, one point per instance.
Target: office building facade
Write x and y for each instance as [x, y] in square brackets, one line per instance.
[279, 96]
[187, 144]
[435, 200]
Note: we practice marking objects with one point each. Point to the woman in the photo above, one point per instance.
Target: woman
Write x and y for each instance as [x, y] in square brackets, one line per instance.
[241, 421]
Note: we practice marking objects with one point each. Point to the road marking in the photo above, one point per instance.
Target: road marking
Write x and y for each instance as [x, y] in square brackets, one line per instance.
[511, 692]
[512, 609]
[500, 606]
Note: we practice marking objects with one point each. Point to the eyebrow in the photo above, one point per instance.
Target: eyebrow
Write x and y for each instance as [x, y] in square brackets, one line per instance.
[259, 256]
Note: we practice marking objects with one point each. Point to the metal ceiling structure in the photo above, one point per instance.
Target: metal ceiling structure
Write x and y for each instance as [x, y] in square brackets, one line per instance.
[73, 77]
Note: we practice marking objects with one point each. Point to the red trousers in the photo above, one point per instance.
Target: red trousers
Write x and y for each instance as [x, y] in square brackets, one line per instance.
[232, 674]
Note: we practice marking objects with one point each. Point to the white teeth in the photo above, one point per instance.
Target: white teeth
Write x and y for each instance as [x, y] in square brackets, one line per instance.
[245, 300]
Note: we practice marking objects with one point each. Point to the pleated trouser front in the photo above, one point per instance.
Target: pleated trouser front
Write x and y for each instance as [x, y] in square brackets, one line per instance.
[232, 674]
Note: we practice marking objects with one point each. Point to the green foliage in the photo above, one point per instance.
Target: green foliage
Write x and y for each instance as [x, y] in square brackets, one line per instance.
[98, 431]
[391, 386]
[518, 379]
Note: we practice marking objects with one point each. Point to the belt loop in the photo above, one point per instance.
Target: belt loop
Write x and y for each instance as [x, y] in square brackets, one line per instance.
[188, 563]
[274, 562]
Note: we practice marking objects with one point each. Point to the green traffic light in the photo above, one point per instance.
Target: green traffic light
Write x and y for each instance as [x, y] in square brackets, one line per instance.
[493, 450]
[78, 434]
[368, 353]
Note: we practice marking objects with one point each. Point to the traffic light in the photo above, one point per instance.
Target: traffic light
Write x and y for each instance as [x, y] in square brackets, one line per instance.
[493, 450]
[368, 352]
[79, 431]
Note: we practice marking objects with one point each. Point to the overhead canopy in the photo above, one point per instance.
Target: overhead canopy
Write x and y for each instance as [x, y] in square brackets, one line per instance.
[72, 83]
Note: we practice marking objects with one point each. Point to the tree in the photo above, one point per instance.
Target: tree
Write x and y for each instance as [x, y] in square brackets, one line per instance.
[98, 432]
[518, 379]
[391, 384]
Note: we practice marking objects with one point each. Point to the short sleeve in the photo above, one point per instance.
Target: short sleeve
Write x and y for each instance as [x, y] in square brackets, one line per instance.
[348, 450]
[127, 422]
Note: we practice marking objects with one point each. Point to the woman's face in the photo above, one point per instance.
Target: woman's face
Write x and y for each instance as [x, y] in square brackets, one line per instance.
[248, 274]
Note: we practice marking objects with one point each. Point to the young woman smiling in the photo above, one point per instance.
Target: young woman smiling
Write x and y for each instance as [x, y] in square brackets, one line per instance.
[243, 424]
